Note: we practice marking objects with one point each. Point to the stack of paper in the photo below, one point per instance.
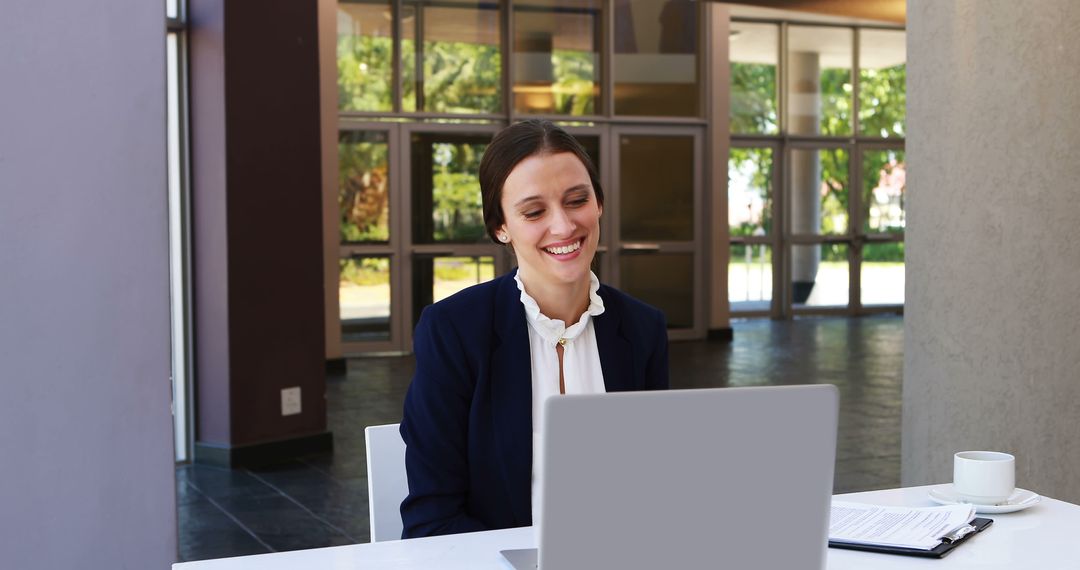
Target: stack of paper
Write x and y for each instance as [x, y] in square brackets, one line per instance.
[919, 528]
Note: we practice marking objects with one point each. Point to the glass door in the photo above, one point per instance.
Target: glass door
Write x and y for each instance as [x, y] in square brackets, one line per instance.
[369, 268]
[448, 247]
[655, 227]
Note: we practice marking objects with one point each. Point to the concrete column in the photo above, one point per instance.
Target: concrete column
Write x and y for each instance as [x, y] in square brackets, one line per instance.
[992, 317]
[804, 116]
[257, 230]
[87, 473]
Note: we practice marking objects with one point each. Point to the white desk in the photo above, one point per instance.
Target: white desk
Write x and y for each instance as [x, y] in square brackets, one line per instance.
[1043, 537]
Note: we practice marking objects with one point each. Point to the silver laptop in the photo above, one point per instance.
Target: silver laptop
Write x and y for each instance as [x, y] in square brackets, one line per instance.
[728, 477]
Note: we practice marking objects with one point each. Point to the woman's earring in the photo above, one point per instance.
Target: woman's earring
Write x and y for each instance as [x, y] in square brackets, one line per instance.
[504, 238]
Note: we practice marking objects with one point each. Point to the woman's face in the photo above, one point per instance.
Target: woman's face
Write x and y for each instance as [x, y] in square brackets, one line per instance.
[552, 218]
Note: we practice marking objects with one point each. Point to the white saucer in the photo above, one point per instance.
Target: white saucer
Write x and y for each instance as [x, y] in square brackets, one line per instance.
[1018, 501]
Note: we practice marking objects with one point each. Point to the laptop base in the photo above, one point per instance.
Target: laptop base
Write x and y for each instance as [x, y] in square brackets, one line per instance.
[523, 559]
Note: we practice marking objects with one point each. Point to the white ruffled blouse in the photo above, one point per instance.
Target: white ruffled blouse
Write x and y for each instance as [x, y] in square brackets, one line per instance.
[581, 363]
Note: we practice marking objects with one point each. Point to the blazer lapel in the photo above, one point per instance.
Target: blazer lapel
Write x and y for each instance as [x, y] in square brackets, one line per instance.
[511, 396]
[616, 357]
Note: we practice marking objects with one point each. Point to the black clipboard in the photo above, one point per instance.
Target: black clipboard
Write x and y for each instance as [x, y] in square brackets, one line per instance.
[939, 551]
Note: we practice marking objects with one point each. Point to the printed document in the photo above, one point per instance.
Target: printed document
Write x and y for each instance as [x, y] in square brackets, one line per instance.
[921, 528]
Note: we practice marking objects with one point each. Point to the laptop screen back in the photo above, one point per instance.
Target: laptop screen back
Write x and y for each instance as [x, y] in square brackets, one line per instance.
[731, 478]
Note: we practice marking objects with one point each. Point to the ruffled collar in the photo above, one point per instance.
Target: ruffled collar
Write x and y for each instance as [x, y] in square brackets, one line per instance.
[554, 330]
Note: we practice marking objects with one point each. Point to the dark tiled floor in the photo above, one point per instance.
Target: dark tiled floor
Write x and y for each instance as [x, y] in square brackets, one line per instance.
[322, 500]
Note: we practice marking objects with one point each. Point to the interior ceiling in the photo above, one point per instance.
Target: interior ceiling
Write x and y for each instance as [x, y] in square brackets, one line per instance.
[891, 11]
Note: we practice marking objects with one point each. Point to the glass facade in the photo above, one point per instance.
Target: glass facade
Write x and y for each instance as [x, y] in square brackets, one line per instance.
[804, 101]
[424, 84]
[836, 140]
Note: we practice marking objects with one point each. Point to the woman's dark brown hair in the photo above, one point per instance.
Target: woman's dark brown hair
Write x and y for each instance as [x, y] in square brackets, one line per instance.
[513, 145]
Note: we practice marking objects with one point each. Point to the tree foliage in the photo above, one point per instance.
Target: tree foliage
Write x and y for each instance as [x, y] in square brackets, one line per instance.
[457, 210]
[364, 66]
[363, 190]
[365, 271]
[882, 99]
[575, 82]
[459, 77]
[753, 99]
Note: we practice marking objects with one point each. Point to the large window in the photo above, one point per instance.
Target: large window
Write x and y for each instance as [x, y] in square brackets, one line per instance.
[572, 58]
[816, 169]
[423, 85]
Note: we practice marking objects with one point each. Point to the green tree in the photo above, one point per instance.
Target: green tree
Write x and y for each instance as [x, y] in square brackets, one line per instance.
[882, 99]
[754, 111]
[753, 99]
[575, 82]
[882, 102]
[457, 210]
[363, 189]
[364, 66]
[459, 77]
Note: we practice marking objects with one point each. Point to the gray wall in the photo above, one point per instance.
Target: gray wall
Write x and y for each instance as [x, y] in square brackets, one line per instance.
[992, 316]
[86, 452]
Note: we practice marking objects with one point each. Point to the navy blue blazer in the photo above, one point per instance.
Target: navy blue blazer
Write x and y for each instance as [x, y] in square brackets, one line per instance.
[467, 422]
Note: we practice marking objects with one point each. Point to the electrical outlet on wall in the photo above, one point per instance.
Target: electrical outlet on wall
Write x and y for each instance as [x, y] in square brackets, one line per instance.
[290, 401]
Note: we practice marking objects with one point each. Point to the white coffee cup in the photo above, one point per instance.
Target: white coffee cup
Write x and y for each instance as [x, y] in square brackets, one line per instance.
[984, 477]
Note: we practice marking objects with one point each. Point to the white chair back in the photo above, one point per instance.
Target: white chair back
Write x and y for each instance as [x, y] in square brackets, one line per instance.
[387, 484]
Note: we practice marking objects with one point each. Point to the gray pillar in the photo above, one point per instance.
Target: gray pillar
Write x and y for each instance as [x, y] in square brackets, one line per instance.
[87, 474]
[992, 317]
[804, 88]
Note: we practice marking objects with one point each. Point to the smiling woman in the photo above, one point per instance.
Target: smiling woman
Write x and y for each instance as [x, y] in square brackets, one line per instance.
[488, 357]
[553, 223]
